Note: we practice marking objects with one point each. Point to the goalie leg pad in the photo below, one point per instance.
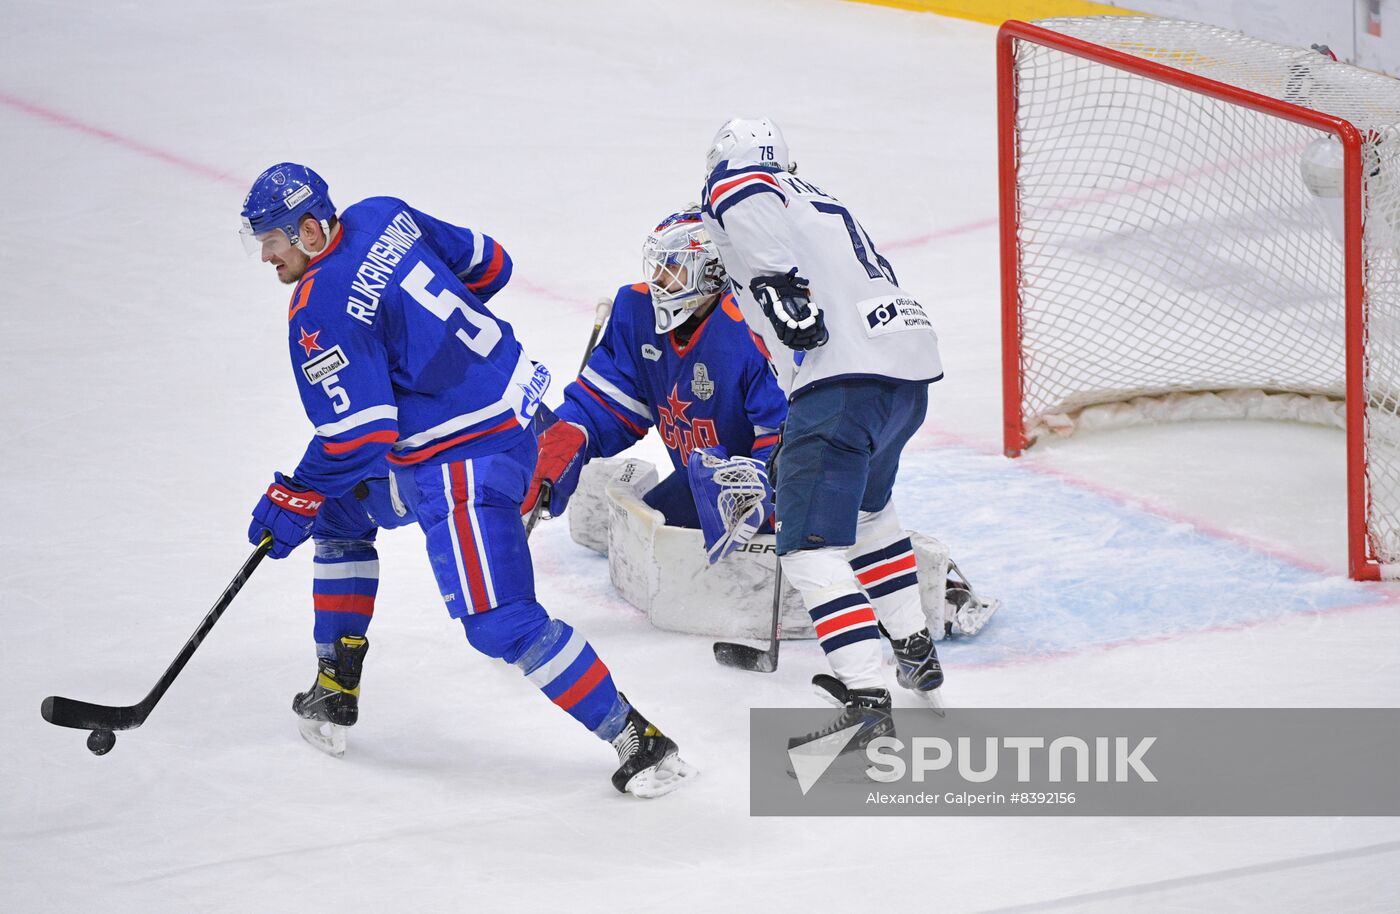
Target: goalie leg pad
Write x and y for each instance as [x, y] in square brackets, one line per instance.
[841, 614]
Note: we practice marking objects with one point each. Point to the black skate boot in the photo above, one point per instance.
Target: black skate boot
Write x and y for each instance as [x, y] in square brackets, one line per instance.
[650, 763]
[866, 709]
[918, 667]
[333, 702]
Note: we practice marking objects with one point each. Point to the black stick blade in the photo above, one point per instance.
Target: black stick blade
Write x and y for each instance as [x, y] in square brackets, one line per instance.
[80, 715]
[744, 657]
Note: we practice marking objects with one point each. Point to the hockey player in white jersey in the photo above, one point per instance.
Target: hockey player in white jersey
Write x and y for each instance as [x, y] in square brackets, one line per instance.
[855, 354]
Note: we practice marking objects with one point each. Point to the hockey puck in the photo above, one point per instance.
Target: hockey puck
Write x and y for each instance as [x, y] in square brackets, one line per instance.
[100, 742]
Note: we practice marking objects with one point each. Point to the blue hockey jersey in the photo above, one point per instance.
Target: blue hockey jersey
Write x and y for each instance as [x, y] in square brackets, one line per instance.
[717, 390]
[395, 353]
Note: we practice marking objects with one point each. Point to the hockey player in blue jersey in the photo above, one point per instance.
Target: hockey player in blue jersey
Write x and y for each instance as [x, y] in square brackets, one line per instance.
[421, 400]
[676, 355]
[855, 354]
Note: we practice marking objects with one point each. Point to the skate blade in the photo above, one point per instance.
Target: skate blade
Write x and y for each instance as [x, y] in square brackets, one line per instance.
[934, 699]
[662, 778]
[324, 736]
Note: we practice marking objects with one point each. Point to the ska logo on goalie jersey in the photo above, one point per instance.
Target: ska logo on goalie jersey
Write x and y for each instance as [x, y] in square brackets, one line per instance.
[681, 433]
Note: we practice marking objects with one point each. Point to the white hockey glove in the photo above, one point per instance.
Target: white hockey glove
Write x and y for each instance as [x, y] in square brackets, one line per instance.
[732, 497]
[790, 309]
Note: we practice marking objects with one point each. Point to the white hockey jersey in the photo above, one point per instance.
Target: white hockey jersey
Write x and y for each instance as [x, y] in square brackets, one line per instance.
[765, 221]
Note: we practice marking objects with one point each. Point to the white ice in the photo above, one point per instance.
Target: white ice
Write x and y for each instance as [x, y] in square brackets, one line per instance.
[147, 401]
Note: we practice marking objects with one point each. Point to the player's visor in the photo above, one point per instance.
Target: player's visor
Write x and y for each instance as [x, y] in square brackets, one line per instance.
[262, 244]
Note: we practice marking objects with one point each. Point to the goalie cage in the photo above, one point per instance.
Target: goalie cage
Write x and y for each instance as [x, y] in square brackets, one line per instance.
[1167, 232]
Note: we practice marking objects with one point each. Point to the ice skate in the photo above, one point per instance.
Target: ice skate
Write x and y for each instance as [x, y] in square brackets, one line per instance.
[865, 716]
[332, 704]
[918, 668]
[650, 763]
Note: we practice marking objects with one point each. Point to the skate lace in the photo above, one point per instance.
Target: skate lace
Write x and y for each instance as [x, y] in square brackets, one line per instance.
[627, 743]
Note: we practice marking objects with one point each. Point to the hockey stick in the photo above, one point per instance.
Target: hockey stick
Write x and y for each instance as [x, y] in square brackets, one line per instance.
[744, 657]
[600, 317]
[103, 719]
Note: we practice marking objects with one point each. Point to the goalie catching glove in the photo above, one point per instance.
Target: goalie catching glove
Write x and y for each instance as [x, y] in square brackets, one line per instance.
[732, 497]
[789, 308]
[561, 460]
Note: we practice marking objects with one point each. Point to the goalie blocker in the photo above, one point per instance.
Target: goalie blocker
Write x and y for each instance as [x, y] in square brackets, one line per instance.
[665, 571]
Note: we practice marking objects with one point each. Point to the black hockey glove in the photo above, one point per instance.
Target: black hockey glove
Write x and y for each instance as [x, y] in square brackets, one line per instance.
[789, 308]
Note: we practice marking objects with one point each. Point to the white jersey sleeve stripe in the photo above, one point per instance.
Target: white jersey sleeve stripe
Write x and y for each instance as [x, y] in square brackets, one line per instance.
[355, 420]
[614, 393]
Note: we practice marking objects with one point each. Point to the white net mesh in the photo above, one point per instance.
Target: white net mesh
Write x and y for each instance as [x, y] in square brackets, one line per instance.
[1168, 242]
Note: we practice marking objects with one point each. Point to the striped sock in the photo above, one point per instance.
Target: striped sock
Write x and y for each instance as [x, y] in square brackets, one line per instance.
[890, 577]
[567, 670]
[846, 630]
[346, 579]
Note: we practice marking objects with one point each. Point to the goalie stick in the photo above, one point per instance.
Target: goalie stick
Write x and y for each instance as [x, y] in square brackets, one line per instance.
[744, 657]
[600, 317]
[103, 719]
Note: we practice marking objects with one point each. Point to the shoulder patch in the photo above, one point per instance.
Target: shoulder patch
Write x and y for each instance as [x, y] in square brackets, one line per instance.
[325, 365]
[639, 287]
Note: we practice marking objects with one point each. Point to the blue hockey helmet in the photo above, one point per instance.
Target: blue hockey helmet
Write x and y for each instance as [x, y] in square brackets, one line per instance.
[279, 199]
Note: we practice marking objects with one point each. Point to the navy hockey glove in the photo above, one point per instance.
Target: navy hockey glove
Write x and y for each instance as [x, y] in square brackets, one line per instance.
[287, 511]
[789, 308]
[560, 462]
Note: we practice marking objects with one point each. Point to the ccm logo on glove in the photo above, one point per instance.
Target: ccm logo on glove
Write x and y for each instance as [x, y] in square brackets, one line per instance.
[307, 503]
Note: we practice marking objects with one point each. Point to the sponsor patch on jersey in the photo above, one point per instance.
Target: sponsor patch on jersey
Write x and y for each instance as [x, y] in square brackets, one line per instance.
[891, 314]
[651, 353]
[324, 365]
[700, 384]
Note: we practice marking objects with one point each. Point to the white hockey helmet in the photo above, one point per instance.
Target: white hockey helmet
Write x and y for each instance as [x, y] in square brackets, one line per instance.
[682, 268]
[749, 139]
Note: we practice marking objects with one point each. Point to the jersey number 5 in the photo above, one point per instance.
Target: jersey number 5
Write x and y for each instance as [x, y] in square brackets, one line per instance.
[445, 303]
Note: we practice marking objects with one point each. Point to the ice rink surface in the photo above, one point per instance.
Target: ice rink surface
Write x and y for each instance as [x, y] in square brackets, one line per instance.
[147, 402]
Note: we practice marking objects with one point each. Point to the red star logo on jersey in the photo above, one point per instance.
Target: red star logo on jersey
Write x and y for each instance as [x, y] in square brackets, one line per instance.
[308, 341]
[678, 406]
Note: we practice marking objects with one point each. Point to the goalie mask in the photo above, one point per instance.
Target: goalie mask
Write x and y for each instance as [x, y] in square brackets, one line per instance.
[682, 269]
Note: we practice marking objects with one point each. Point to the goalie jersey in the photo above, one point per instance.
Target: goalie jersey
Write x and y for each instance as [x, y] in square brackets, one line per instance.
[395, 353]
[715, 391]
[766, 221]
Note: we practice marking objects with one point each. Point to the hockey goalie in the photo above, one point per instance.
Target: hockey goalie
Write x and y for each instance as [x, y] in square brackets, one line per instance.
[695, 550]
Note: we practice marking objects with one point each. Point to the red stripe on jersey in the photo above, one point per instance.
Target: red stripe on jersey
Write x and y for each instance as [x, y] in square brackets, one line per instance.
[766, 441]
[466, 542]
[636, 429]
[758, 341]
[419, 456]
[359, 604]
[720, 190]
[389, 436]
[859, 615]
[492, 271]
[579, 690]
[880, 572]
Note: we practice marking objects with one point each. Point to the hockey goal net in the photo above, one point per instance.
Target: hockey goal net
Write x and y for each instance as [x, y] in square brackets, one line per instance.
[1196, 223]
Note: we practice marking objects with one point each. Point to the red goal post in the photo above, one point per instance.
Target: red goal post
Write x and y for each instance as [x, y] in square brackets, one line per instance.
[1078, 199]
